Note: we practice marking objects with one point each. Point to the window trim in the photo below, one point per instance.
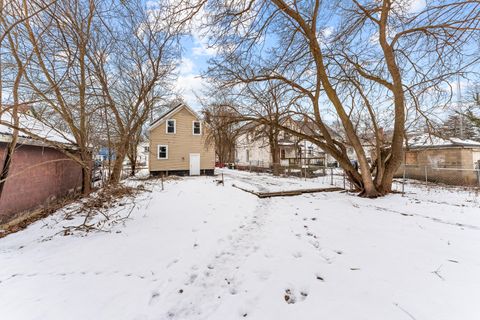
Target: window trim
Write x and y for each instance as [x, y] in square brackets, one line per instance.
[174, 126]
[158, 151]
[193, 128]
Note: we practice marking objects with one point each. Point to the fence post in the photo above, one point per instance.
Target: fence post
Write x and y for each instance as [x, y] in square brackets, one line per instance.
[426, 176]
[343, 179]
[162, 180]
[331, 176]
[403, 182]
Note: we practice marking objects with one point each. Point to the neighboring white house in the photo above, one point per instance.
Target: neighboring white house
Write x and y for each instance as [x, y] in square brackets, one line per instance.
[253, 148]
[143, 151]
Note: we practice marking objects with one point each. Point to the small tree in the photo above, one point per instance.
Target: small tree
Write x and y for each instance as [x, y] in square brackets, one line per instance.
[222, 120]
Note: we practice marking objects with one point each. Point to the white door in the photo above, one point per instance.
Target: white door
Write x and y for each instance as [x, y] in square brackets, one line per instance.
[194, 164]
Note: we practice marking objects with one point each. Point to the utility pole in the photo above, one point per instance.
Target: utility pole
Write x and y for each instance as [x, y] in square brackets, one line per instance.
[459, 107]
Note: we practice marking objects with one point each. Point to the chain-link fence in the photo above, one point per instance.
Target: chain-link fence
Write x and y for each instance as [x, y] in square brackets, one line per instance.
[284, 168]
[325, 175]
[408, 177]
[430, 176]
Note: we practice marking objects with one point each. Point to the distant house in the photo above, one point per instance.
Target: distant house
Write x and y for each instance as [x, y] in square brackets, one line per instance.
[39, 173]
[178, 144]
[143, 152]
[252, 147]
[447, 160]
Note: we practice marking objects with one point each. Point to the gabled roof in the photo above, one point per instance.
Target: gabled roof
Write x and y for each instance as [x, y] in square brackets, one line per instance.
[169, 114]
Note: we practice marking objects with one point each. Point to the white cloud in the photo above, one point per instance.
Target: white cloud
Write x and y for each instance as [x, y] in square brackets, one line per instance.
[417, 5]
[327, 32]
[186, 66]
[409, 6]
[202, 49]
[201, 46]
[187, 85]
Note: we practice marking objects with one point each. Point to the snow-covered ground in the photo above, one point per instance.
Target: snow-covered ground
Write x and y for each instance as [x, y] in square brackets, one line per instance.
[198, 250]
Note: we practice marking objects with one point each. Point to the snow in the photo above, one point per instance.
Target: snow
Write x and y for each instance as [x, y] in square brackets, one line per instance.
[35, 126]
[427, 140]
[269, 183]
[199, 250]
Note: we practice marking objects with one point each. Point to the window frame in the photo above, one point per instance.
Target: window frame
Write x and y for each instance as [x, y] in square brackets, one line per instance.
[158, 151]
[193, 128]
[174, 126]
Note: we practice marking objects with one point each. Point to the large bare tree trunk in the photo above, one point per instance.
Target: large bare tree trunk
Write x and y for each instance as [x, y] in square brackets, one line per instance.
[121, 152]
[86, 176]
[275, 152]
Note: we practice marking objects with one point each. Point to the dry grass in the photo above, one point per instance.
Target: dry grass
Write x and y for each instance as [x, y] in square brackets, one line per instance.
[24, 220]
[101, 204]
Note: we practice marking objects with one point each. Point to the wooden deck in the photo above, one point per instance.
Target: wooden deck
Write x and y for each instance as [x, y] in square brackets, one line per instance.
[289, 193]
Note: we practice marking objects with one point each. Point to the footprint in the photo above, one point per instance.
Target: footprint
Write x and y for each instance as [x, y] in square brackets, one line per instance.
[289, 297]
[297, 254]
[303, 295]
[319, 277]
[192, 279]
[155, 295]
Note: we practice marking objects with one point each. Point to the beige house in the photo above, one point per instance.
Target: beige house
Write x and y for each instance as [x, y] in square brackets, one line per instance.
[446, 160]
[178, 144]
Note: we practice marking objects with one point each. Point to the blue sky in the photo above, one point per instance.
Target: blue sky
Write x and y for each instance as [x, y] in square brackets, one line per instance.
[194, 61]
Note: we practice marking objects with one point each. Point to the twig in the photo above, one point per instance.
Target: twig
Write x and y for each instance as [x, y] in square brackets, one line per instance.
[437, 272]
[405, 311]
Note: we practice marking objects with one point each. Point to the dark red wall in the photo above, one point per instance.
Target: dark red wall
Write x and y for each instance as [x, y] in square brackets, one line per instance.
[30, 187]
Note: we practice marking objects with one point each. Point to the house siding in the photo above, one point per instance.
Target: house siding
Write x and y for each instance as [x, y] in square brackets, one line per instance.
[258, 152]
[180, 145]
[38, 175]
[450, 165]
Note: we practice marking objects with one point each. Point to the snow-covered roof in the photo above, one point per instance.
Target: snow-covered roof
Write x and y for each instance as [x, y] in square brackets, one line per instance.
[41, 133]
[429, 141]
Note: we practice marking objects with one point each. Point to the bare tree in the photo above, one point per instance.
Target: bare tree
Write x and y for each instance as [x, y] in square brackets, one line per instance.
[132, 153]
[271, 103]
[59, 71]
[329, 52]
[11, 17]
[224, 129]
[133, 55]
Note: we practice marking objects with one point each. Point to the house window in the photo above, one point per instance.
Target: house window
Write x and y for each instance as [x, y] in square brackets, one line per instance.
[286, 136]
[310, 150]
[171, 126]
[146, 149]
[162, 152]
[282, 153]
[197, 128]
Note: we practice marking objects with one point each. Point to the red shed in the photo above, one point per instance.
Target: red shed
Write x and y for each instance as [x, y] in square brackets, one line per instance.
[39, 173]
